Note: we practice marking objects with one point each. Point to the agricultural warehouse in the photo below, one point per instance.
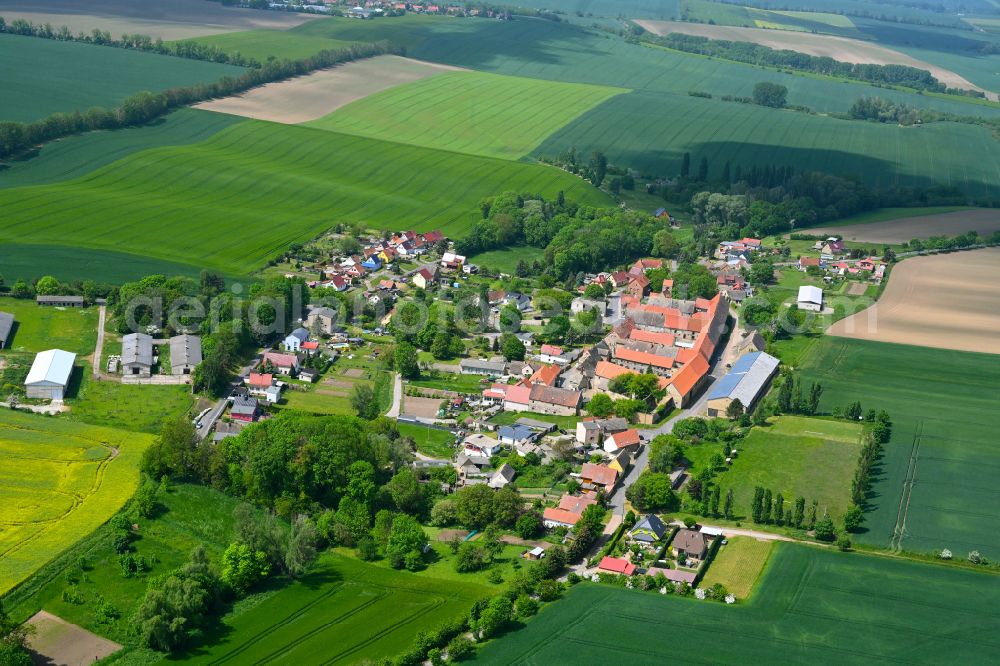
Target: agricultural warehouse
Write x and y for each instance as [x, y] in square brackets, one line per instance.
[810, 298]
[6, 324]
[60, 301]
[472, 366]
[137, 355]
[747, 381]
[185, 353]
[49, 374]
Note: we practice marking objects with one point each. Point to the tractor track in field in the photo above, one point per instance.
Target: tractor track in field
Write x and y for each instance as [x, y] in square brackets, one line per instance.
[899, 529]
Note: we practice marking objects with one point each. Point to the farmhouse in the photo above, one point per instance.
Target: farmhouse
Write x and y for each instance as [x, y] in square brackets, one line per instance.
[472, 366]
[244, 409]
[747, 381]
[807, 262]
[284, 363]
[6, 324]
[49, 374]
[185, 354]
[595, 477]
[60, 301]
[590, 431]
[137, 355]
[810, 298]
[504, 475]
[622, 440]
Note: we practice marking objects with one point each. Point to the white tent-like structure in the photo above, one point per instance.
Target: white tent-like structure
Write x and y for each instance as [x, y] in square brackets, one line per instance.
[49, 374]
[810, 298]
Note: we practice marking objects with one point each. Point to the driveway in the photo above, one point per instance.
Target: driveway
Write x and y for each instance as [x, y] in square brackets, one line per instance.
[397, 397]
[209, 421]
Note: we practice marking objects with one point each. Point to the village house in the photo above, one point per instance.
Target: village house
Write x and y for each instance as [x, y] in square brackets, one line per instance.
[49, 374]
[591, 432]
[616, 565]
[831, 249]
[258, 383]
[622, 440]
[244, 409]
[474, 366]
[185, 354]
[642, 265]
[481, 445]
[551, 354]
[581, 304]
[293, 341]
[137, 355]
[283, 363]
[546, 374]
[690, 545]
[504, 475]
[567, 513]
[638, 286]
[471, 469]
[515, 435]
[805, 263]
[452, 261]
[648, 531]
[425, 277]
[551, 400]
[594, 477]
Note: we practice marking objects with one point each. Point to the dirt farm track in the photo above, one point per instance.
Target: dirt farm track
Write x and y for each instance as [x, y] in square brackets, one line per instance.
[948, 301]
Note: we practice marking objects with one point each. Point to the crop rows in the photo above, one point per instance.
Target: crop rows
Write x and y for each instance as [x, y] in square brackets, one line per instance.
[952, 420]
[470, 112]
[652, 131]
[236, 199]
[57, 485]
[813, 606]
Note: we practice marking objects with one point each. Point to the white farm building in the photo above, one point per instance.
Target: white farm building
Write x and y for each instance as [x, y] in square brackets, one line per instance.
[49, 374]
[810, 298]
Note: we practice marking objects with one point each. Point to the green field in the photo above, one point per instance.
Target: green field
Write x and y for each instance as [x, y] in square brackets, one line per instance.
[138, 407]
[936, 486]
[661, 9]
[469, 112]
[651, 131]
[42, 76]
[506, 260]
[59, 481]
[262, 45]
[231, 202]
[738, 565]
[342, 612]
[39, 328]
[190, 516]
[813, 607]
[797, 456]
[449, 381]
[429, 441]
[331, 393]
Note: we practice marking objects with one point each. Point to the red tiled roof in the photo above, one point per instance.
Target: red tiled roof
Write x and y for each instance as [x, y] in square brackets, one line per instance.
[260, 380]
[520, 395]
[665, 339]
[575, 503]
[608, 370]
[600, 475]
[280, 360]
[689, 375]
[625, 438]
[551, 350]
[616, 565]
[561, 516]
[645, 358]
[546, 374]
[310, 344]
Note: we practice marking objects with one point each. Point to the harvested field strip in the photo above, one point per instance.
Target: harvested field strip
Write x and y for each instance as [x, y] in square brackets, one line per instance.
[255, 187]
[944, 300]
[652, 131]
[813, 606]
[315, 95]
[43, 76]
[944, 488]
[904, 229]
[471, 112]
[59, 480]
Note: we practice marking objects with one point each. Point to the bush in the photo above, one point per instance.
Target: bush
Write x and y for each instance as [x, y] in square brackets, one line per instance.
[975, 558]
[458, 648]
[526, 606]
[844, 544]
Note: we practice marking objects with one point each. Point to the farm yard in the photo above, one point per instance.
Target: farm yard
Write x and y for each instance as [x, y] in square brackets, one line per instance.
[739, 564]
[945, 301]
[815, 606]
[342, 612]
[60, 480]
[236, 185]
[315, 95]
[177, 19]
[797, 456]
[903, 229]
[469, 112]
[43, 76]
[934, 489]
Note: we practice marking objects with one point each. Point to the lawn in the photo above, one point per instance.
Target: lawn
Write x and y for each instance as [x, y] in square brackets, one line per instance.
[813, 607]
[331, 393]
[507, 418]
[233, 201]
[39, 328]
[430, 441]
[263, 45]
[59, 480]
[191, 516]
[936, 485]
[738, 565]
[506, 260]
[449, 381]
[138, 407]
[343, 612]
[43, 76]
[469, 112]
[797, 457]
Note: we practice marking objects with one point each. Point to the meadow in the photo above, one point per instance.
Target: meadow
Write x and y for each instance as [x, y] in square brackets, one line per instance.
[39, 328]
[935, 487]
[342, 612]
[136, 407]
[331, 393]
[738, 565]
[429, 441]
[797, 457]
[506, 260]
[263, 45]
[651, 131]
[42, 76]
[469, 112]
[59, 481]
[813, 606]
[235, 200]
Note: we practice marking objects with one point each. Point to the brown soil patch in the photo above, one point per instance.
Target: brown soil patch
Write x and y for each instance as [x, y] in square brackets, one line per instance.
[423, 407]
[174, 19]
[843, 49]
[337, 383]
[336, 393]
[56, 641]
[448, 535]
[983, 220]
[318, 94]
[354, 372]
[947, 301]
[857, 289]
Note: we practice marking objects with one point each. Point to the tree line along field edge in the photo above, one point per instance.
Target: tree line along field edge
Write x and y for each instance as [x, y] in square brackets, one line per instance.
[277, 184]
